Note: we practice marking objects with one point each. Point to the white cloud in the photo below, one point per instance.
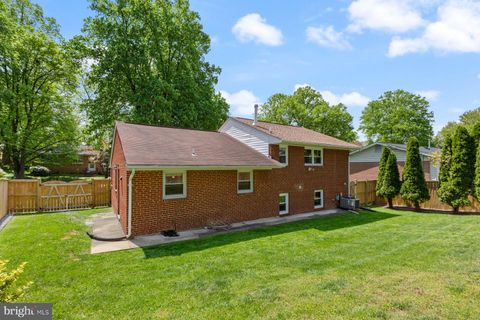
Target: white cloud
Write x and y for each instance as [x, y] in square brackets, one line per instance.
[457, 29]
[241, 102]
[478, 76]
[351, 99]
[253, 27]
[385, 15]
[430, 95]
[327, 37]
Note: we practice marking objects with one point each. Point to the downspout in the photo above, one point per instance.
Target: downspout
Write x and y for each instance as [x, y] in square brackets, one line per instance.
[130, 183]
[348, 179]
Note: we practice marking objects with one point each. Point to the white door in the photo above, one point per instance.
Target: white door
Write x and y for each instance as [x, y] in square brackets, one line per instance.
[283, 203]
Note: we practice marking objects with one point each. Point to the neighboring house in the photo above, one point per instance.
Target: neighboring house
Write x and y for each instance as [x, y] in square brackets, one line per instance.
[364, 162]
[167, 178]
[88, 163]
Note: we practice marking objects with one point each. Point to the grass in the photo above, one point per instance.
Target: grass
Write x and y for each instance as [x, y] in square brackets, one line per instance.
[383, 265]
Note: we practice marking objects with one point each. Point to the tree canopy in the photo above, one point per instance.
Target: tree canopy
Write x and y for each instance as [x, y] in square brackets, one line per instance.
[38, 80]
[147, 65]
[469, 119]
[396, 116]
[307, 108]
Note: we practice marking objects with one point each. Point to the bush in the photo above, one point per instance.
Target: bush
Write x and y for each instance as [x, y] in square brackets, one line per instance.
[2, 173]
[9, 292]
[39, 171]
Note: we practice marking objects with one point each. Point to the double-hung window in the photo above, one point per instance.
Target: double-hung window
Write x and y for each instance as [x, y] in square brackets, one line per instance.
[318, 199]
[245, 181]
[174, 185]
[313, 156]
[283, 154]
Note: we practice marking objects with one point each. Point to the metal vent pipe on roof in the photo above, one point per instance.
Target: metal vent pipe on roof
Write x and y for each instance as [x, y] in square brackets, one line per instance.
[255, 114]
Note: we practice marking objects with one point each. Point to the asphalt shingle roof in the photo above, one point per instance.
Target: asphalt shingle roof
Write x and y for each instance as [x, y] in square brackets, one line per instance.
[163, 146]
[299, 135]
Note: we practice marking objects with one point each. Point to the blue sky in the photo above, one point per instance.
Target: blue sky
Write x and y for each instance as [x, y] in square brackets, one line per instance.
[351, 51]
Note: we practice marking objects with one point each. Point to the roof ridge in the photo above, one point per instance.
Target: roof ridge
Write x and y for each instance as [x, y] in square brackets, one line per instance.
[270, 122]
[164, 126]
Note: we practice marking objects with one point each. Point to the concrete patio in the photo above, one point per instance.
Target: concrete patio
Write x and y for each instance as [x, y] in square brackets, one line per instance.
[106, 225]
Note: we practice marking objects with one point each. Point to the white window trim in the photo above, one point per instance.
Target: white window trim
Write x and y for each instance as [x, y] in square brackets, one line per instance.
[92, 166]
[286, 153]
[286, 203]
[184, 180]
[317, 206]
[251, 181]
[311, 151]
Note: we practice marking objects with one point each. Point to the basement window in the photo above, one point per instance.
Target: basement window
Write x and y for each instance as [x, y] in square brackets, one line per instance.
[174, 185]
[313, 156]
[318, 199]
[244, 181]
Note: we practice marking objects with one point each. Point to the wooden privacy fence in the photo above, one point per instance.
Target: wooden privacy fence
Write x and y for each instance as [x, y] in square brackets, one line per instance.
[365, 192]
[3, 198]
[34, 196]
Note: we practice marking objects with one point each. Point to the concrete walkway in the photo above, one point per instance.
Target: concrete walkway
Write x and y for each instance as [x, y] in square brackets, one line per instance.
[106, 225]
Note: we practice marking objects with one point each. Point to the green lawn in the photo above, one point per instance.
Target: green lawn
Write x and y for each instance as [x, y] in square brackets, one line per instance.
[385, 265]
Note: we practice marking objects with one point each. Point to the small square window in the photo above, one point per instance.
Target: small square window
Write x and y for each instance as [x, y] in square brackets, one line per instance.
[245, 181]
[313, 156]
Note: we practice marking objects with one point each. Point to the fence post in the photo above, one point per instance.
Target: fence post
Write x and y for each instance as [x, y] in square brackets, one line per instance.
[38, 199]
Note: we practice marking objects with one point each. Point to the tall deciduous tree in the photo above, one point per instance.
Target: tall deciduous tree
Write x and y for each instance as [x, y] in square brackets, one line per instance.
[445, 162]
[147, 64]
[391, 180]
[37, 83]
[381, 170]
[307, 108]
[469, 119]
[414, 188]
[459, 185]
[396, 116]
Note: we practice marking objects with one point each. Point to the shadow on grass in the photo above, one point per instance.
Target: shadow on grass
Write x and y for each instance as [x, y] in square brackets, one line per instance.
[345, 220]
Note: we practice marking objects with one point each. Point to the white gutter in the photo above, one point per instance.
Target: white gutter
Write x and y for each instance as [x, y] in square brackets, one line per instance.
[130, 182]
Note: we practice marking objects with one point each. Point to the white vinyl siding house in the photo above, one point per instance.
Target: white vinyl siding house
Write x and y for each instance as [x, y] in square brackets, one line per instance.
[253, 138]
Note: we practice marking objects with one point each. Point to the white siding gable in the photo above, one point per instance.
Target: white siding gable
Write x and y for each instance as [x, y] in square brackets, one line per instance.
[374, 153]
[253, 138]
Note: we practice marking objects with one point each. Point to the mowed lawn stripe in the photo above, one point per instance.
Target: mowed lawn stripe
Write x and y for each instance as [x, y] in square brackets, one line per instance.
[387, 264]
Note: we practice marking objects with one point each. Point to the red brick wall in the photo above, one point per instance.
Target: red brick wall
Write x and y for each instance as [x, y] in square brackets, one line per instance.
[80, 167]
[212, 196]
[119, 190]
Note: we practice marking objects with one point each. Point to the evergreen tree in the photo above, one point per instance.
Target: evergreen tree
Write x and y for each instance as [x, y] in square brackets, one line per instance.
[459, 185]
[391, 179]
[381, 170]
[414, 188]
[477, 174]
[446, 160]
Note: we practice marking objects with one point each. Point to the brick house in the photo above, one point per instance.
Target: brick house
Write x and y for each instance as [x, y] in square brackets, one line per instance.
[364, 162]
[87, 163]
[168, 178]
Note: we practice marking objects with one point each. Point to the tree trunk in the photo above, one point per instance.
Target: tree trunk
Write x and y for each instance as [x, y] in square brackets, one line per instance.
[417, 206]
[390, 203]
[19, 169]
[455, 209]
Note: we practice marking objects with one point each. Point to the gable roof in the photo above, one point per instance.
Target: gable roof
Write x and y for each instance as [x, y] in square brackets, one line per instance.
[402, 147]
[298, 135]
[145, 146]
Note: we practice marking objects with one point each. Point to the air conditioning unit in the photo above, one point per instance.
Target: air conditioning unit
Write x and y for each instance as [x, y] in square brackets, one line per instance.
[349, 203]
